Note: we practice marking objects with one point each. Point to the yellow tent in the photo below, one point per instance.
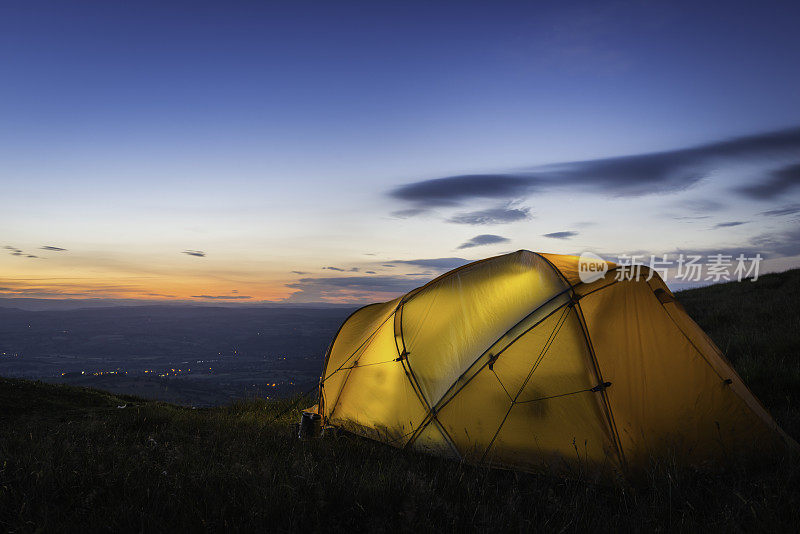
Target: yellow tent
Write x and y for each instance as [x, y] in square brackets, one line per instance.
[514, 361]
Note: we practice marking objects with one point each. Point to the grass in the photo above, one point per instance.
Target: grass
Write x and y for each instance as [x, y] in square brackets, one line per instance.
[72, 460]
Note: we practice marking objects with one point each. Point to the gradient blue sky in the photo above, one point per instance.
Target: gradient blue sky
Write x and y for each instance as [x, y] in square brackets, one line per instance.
[287, 136]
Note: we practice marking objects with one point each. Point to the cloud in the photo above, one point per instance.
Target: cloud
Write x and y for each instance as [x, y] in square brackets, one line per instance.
[779, 182]
[501, 215]
[451, 190]
[621, 176]
[769, 245]
[370, 272]
[702, 205]
[198, 253]
[786, 243]
[53, 249]
[437, 264]
[300, 272]
[222, 297]
[673, 170]
[560, 235]
[484, 239]
[786, 210]
[408, 213]
[340, 269]
[691, 217]
[14, 251]
[350, 289]
[65, 288]
[729, 224]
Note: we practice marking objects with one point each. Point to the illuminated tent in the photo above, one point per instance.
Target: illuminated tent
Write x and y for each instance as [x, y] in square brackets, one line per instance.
[513, 361]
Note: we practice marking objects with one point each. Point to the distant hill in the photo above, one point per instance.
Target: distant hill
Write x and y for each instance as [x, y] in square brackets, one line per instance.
[196, 355]
[81, 459]
[34, 304]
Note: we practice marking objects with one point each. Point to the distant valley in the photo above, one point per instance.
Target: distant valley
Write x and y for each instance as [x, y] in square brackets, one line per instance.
[192, 355]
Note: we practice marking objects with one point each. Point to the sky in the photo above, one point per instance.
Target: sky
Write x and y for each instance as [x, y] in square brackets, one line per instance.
[295, 152]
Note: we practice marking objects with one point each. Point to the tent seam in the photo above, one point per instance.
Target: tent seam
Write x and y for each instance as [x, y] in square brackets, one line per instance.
[431, 415]
[770, 422]
[363, 345]
[585, 331]
[443, 401]
[328, 351]
[549, 343]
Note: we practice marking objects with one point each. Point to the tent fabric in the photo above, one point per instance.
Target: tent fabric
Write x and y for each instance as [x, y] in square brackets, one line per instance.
[513, 361]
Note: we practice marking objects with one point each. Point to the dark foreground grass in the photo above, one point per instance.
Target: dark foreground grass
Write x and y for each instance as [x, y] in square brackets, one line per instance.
[72, 460]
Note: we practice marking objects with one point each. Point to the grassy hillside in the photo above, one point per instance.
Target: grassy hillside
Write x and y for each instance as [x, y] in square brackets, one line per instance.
[75, 459]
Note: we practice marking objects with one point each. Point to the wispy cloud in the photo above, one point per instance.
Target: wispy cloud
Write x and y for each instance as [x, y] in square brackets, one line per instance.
[560, 235]
[672, 170]
[484, 239]
[51, 248]
[702, 205]
[691, 217]
[341, 269]
[622, 176]
[350, 289]
[729, 224]
[500, 215]
[65, 288]
[408, 213]
[222, 297]
[772, 245]
[14, 251]
[779, 244]
[450, 191]
[300, 272]
[791, 209]
[778, 182]
[437, 264]
[197, 253]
